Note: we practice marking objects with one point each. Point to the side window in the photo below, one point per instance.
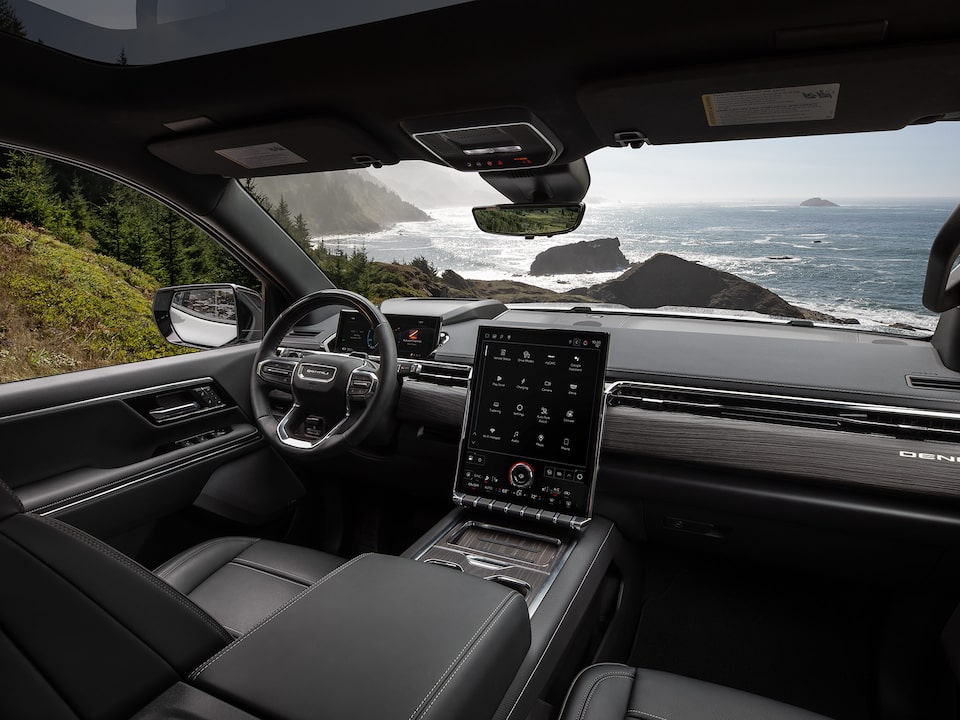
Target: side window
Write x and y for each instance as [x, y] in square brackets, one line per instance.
[81, 257]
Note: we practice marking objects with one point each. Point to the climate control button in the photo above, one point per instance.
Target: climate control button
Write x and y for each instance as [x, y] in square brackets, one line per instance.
[521, 475]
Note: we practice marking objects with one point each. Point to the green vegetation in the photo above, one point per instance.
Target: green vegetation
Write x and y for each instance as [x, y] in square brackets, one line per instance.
[66, 308]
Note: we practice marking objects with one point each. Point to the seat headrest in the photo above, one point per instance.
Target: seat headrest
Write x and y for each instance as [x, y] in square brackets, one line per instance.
[9, 502]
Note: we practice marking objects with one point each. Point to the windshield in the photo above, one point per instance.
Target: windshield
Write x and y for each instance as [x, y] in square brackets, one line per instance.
[833, 229]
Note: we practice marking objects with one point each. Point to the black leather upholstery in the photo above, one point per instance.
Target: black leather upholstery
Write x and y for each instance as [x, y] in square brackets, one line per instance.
[240, 580]
[615, 692]
[9, 502]
[379, 637]
[84, 631]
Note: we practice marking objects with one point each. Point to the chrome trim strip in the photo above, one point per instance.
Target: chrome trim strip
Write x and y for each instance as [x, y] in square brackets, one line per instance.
[612, 389]
[58, 507]
[114, 396]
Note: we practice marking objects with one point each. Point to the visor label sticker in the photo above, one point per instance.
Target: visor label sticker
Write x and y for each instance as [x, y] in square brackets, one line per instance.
[261, 156]
[772, 105]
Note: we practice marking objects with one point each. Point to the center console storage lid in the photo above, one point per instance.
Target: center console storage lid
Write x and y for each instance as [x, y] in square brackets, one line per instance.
[380, 637]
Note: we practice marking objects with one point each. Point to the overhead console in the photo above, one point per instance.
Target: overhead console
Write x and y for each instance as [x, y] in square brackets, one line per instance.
[508, 139]
[531, 435]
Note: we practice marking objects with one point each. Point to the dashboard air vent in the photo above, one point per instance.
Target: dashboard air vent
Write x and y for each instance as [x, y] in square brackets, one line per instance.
[439, 373]
[932, 382]
[789, 410]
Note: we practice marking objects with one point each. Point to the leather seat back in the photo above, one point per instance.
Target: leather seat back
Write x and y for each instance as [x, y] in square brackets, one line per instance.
[85, 632]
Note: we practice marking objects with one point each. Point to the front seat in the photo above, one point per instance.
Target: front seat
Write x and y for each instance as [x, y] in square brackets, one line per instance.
[241, 580]
[617, 692]
[85, 632]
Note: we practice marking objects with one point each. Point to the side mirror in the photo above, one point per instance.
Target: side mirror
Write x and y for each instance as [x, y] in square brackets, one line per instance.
[529, 220]
[208, 316]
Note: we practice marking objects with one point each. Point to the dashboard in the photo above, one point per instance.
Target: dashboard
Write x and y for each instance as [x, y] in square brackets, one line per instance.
[822, 419]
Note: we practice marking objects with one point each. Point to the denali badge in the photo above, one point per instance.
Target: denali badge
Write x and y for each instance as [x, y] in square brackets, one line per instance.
[929, 456]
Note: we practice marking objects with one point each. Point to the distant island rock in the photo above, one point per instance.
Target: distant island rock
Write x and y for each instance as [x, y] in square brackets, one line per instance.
[818, 202]
[669, 280]
[602, 255]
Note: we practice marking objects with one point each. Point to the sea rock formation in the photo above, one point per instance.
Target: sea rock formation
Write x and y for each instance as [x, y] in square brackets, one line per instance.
[602, 255]
[669, 280]
[818, 202]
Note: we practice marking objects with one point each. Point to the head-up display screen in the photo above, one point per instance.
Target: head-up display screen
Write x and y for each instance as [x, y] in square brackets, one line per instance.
[417, 337]
[533, 421]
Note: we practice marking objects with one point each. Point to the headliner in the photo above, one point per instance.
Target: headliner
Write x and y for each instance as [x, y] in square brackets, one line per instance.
[585, 69]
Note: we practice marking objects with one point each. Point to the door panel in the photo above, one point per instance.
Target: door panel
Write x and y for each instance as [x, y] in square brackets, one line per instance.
[110, 450]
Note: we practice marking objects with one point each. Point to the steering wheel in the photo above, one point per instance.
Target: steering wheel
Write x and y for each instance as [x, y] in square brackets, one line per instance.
[337, 399]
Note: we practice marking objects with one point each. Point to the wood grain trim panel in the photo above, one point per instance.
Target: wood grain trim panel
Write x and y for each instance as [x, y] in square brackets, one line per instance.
[852, 459]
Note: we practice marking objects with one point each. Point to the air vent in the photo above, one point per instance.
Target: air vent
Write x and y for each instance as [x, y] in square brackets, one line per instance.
[441, 373]
[787, 410]
[931, 382]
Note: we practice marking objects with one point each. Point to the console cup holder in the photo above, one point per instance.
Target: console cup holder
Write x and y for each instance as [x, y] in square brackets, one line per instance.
[444, 563]
[511, 582]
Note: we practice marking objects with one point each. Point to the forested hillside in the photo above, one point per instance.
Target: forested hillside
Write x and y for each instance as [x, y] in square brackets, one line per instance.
[339, 203]
[88, 211]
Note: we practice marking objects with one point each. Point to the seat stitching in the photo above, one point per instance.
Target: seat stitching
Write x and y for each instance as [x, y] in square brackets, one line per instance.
[596, 684]
[201, 548]
[648, 714]
[273, 571]
[453, 662]
[141, 571]
[269, 574]
[562, 618]
[475, 646]
[196, 673]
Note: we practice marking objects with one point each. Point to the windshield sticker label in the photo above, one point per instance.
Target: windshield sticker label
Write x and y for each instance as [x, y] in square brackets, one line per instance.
[773, 105]
[261, 156]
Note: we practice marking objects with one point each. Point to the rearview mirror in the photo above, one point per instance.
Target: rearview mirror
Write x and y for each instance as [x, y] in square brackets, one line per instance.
[207, 316]
[529, 220]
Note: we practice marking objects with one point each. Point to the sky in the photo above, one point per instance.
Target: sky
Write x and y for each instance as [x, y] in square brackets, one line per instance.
[917, 162]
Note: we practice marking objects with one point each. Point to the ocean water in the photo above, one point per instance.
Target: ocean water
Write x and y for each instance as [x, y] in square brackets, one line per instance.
[862, 260]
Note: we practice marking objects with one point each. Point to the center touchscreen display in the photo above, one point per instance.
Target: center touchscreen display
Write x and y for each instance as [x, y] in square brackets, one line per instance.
[533, 423]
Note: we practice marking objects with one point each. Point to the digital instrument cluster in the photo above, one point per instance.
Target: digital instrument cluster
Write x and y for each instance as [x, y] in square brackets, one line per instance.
[417, 337]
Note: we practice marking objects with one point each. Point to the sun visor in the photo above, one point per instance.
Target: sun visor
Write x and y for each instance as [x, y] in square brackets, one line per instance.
[301, 146]
[810, 95]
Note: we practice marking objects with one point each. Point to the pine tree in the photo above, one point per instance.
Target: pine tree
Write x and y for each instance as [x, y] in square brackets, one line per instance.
[301, 233]
[27, 190]
[9, 22]
[113, 222]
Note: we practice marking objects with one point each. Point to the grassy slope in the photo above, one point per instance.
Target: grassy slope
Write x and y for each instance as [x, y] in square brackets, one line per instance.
[63, 308]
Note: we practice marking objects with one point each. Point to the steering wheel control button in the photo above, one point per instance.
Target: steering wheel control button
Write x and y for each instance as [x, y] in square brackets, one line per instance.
[521, 475]
[362, 384]
[316, 373]
[277, 371]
